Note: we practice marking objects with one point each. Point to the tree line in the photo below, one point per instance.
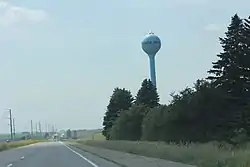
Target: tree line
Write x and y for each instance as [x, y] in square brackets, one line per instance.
[215, 108]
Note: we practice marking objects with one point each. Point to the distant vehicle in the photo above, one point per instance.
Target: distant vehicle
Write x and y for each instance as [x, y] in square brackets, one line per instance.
[74, 134]
[62, 136]
[55, 137]
[46, 135]
[25, 135]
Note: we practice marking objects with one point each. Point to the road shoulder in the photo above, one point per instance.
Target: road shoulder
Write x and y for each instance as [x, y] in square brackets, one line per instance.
[126, 159]
[93, 160]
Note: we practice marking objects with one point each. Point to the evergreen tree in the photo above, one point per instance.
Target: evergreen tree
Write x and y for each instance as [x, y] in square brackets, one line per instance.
[121, 99]
[247, 55]
[231, 71]
[246, 110]
[147, 95]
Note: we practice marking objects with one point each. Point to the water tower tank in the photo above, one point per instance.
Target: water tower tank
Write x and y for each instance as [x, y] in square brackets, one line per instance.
[151, 44]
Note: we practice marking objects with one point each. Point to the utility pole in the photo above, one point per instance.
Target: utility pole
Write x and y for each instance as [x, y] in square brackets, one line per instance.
[52, 129]
[55, 129]
[31, 127]
[14, 128]
[46, 128]
[36, 129]
[40, 129]
[11, 130]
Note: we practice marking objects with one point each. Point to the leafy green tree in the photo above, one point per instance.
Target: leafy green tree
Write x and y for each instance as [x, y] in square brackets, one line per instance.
[120, 100]
[192, 115]
[155, 123]
[147, 94]
[128, 125]
[211, 112]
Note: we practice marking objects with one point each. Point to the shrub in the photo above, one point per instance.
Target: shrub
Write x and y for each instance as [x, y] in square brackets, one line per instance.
[128, 125]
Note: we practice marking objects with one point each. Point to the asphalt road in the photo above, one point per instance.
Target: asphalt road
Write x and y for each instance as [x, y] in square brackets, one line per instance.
[50, 154]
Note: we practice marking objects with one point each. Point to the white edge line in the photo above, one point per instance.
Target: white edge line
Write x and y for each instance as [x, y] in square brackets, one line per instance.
[9, 165]
[80, 155]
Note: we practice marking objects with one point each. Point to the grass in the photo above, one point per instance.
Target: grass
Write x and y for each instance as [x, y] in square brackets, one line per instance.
[4, 136]
[6, 146]
[202, 155]
[7, 136]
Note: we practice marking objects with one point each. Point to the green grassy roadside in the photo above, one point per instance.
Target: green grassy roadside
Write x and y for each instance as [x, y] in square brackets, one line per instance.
[7, 136]
[201, 155]
[6, 146]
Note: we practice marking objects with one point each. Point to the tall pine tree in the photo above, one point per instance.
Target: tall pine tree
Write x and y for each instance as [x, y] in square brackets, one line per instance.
[231, 74]
[246, 111]
[230, 71]
[147, 94]
[247, 55]
[121, 99]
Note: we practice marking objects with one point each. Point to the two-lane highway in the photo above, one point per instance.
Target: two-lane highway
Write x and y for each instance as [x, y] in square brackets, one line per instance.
[50, 154]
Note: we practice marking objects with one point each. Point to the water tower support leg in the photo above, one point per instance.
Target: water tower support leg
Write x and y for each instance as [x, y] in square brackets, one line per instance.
[152, 70]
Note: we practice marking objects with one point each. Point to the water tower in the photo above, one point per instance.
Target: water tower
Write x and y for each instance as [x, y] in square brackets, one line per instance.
[151, 44]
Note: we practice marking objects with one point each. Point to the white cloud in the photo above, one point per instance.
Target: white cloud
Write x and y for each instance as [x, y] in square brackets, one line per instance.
[212, 27]
[11, 14]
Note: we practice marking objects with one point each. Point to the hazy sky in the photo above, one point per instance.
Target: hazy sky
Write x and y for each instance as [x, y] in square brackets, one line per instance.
[61, 59]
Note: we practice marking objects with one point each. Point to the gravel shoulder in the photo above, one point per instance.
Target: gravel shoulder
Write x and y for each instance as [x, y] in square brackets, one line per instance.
[126, 159]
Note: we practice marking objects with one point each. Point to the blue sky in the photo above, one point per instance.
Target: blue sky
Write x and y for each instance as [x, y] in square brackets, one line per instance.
[60, 60]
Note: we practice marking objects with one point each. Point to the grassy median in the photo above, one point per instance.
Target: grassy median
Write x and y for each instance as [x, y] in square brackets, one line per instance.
[15, 144]
[212, 154]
